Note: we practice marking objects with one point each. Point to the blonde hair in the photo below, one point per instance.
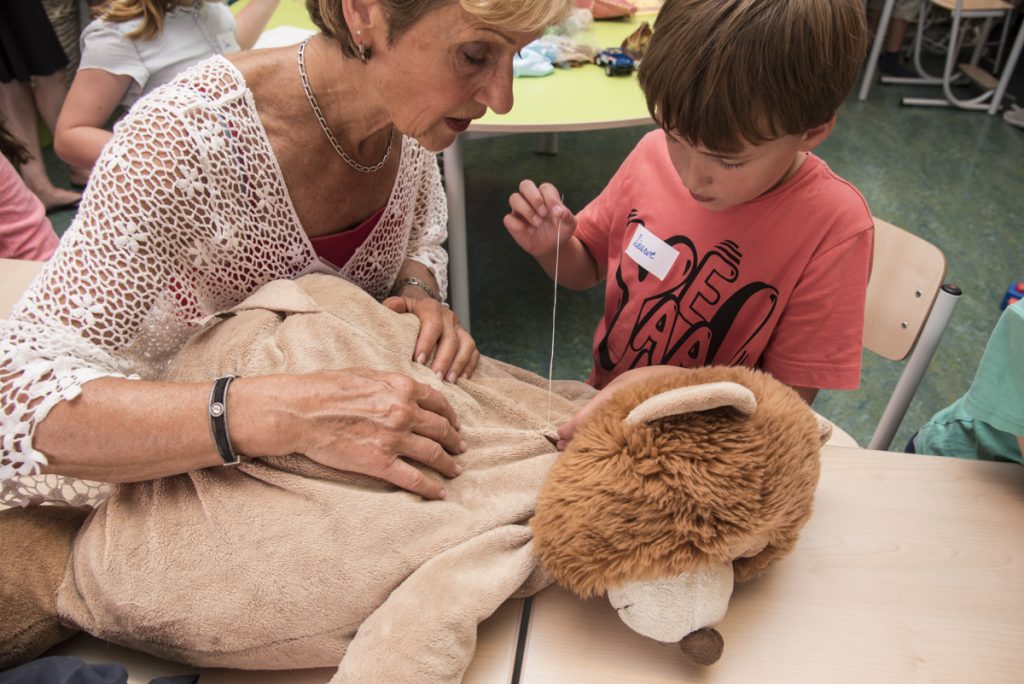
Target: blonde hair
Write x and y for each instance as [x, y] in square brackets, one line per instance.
[725, 73]
[152, 13]
[519, 16]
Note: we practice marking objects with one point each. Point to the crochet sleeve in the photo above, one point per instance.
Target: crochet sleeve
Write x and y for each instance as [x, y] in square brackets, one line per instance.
[430, 222]
[107, 290]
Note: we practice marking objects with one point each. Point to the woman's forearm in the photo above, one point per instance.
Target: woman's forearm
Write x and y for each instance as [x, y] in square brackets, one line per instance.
[414, 269]
[121, 430]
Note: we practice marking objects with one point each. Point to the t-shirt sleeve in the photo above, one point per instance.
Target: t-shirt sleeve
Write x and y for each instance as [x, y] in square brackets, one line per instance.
[594, 222]
[107, 48]
[818, 340]
[997, 392]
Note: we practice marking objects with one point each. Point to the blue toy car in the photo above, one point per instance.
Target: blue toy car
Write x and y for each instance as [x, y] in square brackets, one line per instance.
[615, 62]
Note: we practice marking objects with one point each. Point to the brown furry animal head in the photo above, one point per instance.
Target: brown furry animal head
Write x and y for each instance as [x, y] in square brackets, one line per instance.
[632, 501]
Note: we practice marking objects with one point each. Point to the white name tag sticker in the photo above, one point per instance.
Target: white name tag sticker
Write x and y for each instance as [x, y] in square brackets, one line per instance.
[651, 252]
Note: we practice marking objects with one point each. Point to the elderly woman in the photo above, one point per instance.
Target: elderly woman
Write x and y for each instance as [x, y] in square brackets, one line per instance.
[246, 169]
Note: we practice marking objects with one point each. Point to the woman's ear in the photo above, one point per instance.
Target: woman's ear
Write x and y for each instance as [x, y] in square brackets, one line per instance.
[817, 135]
[358, 15]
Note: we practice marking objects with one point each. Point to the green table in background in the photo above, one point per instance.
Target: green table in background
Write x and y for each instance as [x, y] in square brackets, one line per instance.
[580, 99]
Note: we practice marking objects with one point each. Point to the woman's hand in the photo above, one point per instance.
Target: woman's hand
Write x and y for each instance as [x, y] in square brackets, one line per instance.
[357, 420]
[630, 377]
[453, 349]
[539, 222]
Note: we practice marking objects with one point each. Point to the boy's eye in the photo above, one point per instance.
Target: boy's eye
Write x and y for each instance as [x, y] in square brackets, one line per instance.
[729, 165]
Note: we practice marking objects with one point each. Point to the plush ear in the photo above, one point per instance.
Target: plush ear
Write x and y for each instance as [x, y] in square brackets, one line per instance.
[692, 399]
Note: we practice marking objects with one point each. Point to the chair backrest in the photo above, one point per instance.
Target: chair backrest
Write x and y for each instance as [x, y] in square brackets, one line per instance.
[906, 274]
[907, 309]
[15, 277]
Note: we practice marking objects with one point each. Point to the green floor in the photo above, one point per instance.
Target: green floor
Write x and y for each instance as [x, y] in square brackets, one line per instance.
[955, 178]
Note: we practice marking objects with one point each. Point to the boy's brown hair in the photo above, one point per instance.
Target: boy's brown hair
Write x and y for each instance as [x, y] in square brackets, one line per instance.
[725, 73]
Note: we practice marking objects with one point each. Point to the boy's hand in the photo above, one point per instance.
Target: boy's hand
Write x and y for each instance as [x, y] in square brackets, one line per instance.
[539, 221]
[631, 377]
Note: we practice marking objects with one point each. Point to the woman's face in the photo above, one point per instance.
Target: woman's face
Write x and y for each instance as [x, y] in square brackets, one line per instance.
[443, 72]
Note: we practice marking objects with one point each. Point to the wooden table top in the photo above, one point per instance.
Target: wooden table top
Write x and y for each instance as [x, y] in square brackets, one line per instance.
[911, 569]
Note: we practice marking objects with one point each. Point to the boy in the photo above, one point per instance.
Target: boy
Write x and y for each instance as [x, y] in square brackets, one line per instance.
[723, 240]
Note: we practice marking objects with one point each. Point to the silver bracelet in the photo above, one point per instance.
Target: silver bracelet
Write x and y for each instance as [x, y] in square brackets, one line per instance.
[415, 282]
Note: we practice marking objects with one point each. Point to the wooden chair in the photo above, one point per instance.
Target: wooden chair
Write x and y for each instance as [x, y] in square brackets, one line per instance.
[907, 310]
[993, 90]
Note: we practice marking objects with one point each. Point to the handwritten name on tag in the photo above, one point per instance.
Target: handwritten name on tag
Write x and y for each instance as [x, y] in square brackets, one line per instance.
[651, 252]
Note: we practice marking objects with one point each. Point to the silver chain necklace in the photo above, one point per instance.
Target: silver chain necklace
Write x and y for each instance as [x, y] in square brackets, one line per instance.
[361, 168]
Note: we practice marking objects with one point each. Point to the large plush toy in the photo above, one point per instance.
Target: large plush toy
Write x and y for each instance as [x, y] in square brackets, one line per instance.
[281, 563]
[673, 489]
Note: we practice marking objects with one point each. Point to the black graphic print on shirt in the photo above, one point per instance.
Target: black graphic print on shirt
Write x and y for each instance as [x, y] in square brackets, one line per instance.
[703, 313]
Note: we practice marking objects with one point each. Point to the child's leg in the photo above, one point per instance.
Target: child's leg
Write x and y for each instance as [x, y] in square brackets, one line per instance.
[50, 92]
[18, 107]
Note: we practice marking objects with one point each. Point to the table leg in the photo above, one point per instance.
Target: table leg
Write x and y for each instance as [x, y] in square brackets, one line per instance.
[548, 144]
[876, 49]
[458, 256]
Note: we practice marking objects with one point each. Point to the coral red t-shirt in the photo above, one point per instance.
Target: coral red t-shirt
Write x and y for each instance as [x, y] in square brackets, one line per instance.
[776, 283]
[25, 232]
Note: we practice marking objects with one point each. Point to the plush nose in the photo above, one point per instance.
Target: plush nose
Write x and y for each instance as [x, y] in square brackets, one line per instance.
[703, 647]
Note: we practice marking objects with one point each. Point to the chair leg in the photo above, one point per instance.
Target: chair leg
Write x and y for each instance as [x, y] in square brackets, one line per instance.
[1011, 64]
[983, 102]
[916, 365]
[923, 77]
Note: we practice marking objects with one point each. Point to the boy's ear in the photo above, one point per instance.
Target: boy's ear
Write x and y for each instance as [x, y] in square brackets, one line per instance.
[817, 135]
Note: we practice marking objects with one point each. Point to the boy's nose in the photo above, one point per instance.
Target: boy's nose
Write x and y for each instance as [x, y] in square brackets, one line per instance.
[694, 174]
[696, 180]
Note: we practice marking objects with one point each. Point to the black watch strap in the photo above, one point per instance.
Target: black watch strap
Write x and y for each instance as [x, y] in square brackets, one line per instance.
[219, 420]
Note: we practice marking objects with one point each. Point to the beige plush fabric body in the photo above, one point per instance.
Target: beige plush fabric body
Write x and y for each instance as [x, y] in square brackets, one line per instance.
[282, 563]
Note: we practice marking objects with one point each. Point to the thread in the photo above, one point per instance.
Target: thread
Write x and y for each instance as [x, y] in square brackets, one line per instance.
[554, 310]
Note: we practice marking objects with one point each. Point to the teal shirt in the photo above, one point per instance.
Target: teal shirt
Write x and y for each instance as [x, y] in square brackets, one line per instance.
[985, 422]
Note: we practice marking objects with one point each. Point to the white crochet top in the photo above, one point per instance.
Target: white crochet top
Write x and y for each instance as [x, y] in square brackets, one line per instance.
[185, 215]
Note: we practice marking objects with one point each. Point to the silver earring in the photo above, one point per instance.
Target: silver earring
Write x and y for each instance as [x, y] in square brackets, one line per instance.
[361, 49]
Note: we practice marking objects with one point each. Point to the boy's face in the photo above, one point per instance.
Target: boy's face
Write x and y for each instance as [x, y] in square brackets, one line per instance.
[722, 181]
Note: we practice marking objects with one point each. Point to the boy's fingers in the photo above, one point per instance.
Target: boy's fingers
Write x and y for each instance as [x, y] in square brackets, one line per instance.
[516, 223]
[552, 198]
[520, 205]
[524, 210]
[529, 191]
